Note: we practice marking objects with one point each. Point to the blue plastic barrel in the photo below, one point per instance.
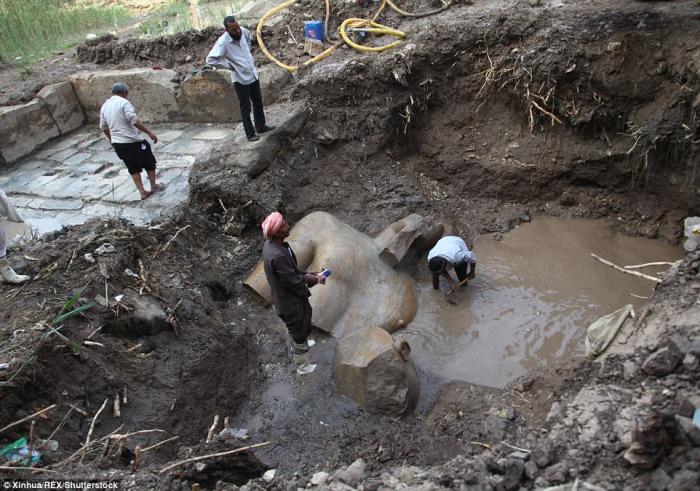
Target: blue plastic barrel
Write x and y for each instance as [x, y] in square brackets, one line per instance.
[313, 29]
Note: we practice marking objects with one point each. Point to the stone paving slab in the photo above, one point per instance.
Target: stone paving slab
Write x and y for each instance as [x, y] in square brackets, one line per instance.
[79, 177]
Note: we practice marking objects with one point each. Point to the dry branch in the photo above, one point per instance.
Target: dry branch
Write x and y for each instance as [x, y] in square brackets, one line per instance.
[167, 245]
[623, 270]
[645, 265]
[156, 445]
[210, 434]
[94, 420]
[213, 455]
[31, 416]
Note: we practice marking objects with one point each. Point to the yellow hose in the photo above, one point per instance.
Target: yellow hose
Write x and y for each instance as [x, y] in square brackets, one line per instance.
[345, 39]
[375, 29]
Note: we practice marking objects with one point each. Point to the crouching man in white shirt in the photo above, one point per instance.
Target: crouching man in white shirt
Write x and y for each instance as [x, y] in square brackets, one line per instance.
[451, 252]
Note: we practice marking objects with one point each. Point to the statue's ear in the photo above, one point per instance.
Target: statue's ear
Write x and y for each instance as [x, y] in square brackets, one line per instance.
[304, 249]
[403, 349]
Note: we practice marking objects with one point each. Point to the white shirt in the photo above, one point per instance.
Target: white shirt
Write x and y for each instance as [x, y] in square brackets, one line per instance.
[119, 116]
[453, 249]
[235, 56]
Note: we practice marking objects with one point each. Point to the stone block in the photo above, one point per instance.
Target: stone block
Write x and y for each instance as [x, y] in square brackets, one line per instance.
[377, 372]
[63, 105]
[23, 128]
[209, 96]
[152, 92]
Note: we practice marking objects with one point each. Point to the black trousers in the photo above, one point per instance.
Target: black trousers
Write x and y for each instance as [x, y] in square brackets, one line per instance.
[246, 95]
[299, 322]
[461, 270]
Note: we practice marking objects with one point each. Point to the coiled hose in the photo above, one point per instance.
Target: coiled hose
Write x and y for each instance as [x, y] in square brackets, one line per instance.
[356, 23]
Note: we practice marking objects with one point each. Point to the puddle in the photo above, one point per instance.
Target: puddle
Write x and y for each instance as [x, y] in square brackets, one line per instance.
[534, 295]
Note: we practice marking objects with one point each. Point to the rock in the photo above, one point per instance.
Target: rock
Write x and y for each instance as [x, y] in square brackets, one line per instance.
[629, 370]
[567, 198]
[531, 470]
[541, 483]
[209, 96]
[691, 431]
[650, 440]
[525, 217]
[23, 128]
[151, 92]
[519, 455]
[685, 481]
[659, 480]
[354, 473]
[691, 362]
[513, 472]
[542, 456]
[510, 413]
[326, 137]
[269, 475]
[557, 473]
[555, 412]
[319, 479]
[614, 46]
[63, 105]
[535, 3]
[497, 237]
[376, 372]
[662, 362]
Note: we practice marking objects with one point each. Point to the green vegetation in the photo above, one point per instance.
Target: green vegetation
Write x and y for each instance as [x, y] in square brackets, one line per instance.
[30, 29]
[182, 15]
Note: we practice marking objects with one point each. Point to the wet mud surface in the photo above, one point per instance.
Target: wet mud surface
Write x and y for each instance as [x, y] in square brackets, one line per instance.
[446, 126]
[536, 291]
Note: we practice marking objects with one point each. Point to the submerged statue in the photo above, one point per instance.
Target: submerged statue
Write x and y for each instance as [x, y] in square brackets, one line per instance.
[364, 289]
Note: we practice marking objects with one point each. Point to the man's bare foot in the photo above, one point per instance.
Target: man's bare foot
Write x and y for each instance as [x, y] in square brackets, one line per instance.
[146, 194]
[157, 187]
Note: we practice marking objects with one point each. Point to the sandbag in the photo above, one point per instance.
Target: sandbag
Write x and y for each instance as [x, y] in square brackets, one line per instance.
[601, 333]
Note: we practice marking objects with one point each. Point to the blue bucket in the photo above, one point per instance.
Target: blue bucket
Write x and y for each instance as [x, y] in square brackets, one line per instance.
[313, 29]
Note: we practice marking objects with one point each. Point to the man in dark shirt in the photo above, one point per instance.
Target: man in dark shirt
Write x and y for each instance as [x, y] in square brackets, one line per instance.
[290, 288]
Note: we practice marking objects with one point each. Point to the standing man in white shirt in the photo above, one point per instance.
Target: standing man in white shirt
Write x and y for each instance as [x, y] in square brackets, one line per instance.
[232, 52]
[451, 252]
[119, 122]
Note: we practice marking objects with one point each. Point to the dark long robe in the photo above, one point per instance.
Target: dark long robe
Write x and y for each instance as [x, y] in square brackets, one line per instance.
[290, 293]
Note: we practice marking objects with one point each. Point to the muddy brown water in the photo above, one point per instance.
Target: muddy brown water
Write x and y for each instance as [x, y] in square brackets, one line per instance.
[534, 295]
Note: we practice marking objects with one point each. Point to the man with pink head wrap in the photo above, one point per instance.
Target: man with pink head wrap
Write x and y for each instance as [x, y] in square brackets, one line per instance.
[289, 287]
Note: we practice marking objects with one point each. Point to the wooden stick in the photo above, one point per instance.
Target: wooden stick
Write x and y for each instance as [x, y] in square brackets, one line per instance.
[211, 456]
[78, 410]
[94, 420]
[31, 416]
[454, 288]
[622, 270]
[141, 432]
[165, 247]
[485, 445]
[515, 448]
[640, 266]
[93, 343]
[117, 408]
[95, 332]
[137, 460]
[160, 443]
[31, 442]
[60, 425]
[210, 434]
[638, 296]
